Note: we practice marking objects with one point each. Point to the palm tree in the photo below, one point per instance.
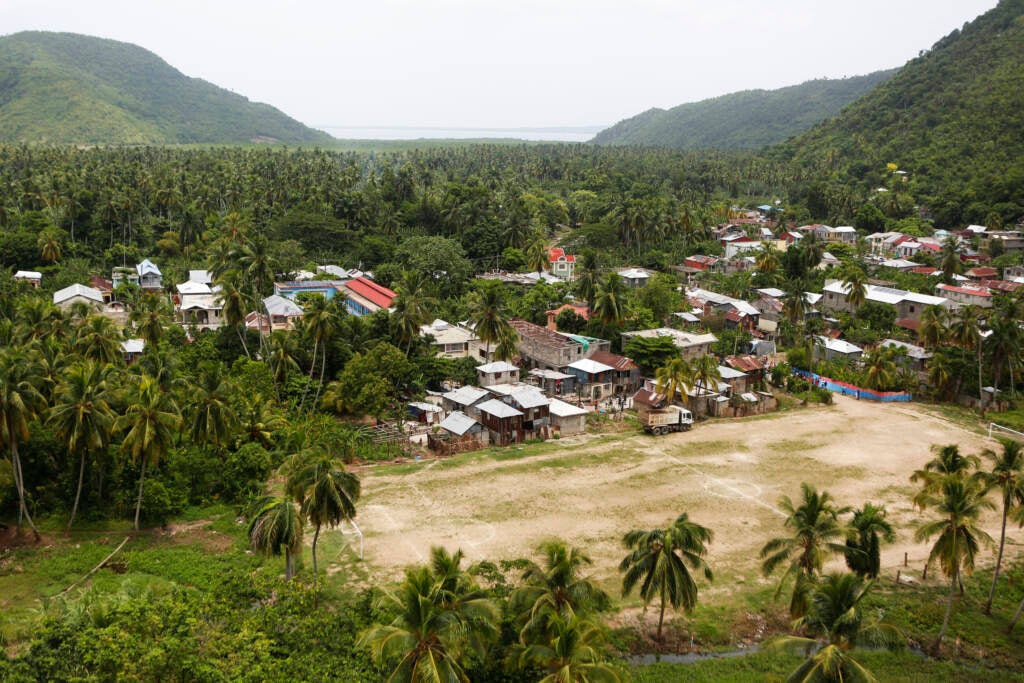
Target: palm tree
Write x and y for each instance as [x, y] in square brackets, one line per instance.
[149, 315]
[82, 418]
[966, 333]
[1007, 476]
[959, 503]
[609, 300]
[947, 464]
[507, 344]
[537, 254]
[276, 528]
[439, 621]
[411, 307]
[932, 328]
[949, 259]
[855, 281]
[96, 340]
[555, 587]
[706, 374]
[661, 560]
[880, 369]
[870, 528]
[835, 622]
[817, 533]
[149, 424]
[570, 654]
[20, 403]
[1005, 346]
[326, 492]
[587, 275]
[767, 260]
[214, 420]
[487, 314]
[674, 378]
[233, 301]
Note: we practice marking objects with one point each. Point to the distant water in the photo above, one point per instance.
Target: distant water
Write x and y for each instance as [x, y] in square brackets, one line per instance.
[553, 134]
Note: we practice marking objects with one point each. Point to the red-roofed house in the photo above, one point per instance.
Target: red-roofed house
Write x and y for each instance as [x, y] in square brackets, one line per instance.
[965, 295]
[562, 265]
[982, 273]
[364, 296]
[700, 261]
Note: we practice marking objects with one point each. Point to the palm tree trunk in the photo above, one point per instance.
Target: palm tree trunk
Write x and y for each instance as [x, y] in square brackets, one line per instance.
[241, 337]
[78, 493]
[999, 559]
[19, 481]
[138, 503]
[1016, 617]
[981, 397]
[316, 537]
[949, 610]
[661, 615]
[323, 368]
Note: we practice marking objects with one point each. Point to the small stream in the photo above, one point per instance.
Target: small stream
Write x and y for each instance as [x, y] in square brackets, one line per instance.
[689, 657]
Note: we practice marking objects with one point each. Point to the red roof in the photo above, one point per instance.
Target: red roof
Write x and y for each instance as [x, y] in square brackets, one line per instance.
[578, 309]
[930, 246]
[368, 289]
[614, 360]
[555, 253]
[923, 270]
[649, 398]
[982, 272]
[908, 324]
[100, 283]
[964, 290]
[1001, 285]
[744, 363]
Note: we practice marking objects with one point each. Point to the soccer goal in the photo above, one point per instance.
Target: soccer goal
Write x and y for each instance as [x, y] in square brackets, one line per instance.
[357, 532]
[1000, 430]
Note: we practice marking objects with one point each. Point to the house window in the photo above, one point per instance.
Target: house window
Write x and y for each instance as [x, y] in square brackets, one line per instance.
[911, 309]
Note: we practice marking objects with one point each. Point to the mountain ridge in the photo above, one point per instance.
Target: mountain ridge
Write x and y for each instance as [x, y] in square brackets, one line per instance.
[71, 88]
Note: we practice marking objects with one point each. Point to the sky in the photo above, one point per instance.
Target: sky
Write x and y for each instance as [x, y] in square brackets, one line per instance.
[503, 63]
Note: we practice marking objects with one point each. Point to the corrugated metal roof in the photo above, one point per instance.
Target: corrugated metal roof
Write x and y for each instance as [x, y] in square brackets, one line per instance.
[496, 366]
[498, 409]
[591, 367]
[458, 423]
[563, 409]
[466, 395]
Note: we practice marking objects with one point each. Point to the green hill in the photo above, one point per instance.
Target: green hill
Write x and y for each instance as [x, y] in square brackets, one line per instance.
[68, 88]
[952, 119]
[749, 119]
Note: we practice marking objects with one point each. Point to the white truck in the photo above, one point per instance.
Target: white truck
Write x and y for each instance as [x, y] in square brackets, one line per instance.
[668, 419]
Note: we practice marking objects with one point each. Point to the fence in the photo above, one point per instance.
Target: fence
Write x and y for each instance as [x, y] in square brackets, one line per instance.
[1014, 434]
[847, 389]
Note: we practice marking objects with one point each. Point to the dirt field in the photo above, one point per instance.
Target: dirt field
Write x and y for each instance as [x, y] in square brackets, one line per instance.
[728, 476]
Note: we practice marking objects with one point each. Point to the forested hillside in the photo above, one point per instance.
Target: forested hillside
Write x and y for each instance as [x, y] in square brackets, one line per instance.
[749, 119]
[67, 88]
[951, 119]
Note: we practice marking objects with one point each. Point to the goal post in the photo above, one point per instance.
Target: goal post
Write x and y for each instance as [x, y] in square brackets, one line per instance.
[998, 429]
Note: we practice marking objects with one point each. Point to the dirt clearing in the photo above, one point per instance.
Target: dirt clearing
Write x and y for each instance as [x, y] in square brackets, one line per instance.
[728, 476]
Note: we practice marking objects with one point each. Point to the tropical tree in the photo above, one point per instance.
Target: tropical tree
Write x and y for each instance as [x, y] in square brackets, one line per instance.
[150, 315]
[959, 503]
[587, 275]
[660, 561]
[537, 254]
[96, 339]
[870, 528]
[949, 259]
[880, 369]
[1007, 477]
[855, 282]
[149, 425]
[947, 464]
[556, 586]
[674, 378]
[276, 529]
[571, 653]
[411, 308]
[20, 403]
[440, 620]
[706, 374]
[965, 332]
[214, 419]
[609, 305]
[817, 533]
[932, 329]
[487, 314]
[836, 625]
[82, 417]
[325, 492]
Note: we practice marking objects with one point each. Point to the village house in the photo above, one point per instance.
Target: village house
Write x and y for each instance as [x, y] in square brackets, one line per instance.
[449, 341]
[553, 382]
[32, 277]
[498, 372]
[844, 234]
[132, 349]
[908, 305]
[528, 400]
[742, 245]
[691, 345]
[700, 262]
[980, 273]
[292, 288]
[459, 431]
[749, 365]
[145, 275]
[634, 278]
[69, 296]
[199, 306]
[626, 376]
[562, 265]
[593, 379]
[464, 399]
[1009, 241]
[364, 296]
[281, 315]
[969, 296]
[738, 313]
[736, 380]
[910, 356]
[540, 347]
[566, 419]
[503, 422]
[1014, 273]
[827, 348]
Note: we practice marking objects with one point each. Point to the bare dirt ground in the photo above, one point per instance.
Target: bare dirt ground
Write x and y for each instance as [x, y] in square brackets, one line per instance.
[727, 475]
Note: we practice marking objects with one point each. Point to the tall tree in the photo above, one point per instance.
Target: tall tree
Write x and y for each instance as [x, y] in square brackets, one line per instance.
[1007, 477]
[149, 424]
[660, 561]
[571, 652]
[870, 528]
[855, 281]
[276, 529]
[932, 329]
[487, 314]
[959, 503]
[817, 533]
[965, 332]
[82, 417]
[674, 378]
[610, 300]
[20, 403]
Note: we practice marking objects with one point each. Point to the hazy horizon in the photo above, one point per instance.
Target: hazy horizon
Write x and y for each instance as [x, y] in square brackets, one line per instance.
[511, 65]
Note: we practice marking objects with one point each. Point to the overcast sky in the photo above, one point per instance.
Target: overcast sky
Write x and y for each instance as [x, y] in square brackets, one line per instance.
[504, 63]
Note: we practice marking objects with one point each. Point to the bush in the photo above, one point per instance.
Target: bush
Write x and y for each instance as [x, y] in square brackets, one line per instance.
[245, 472]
